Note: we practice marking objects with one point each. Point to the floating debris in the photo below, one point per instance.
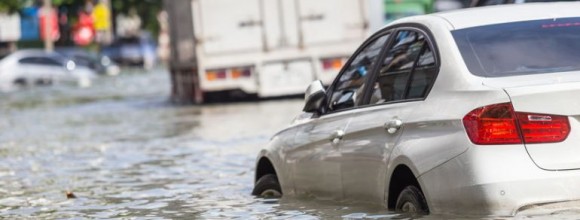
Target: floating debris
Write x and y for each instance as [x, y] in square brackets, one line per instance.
[70, 195]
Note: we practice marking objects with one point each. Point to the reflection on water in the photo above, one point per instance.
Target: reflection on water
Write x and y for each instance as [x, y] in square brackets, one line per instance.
[125, 152]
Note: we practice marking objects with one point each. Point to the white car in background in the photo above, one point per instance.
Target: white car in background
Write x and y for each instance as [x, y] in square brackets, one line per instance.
[471, 111]
[37, 67]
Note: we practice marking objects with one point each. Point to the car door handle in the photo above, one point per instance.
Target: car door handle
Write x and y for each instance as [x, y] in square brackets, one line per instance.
[337, 136]
[393, 126]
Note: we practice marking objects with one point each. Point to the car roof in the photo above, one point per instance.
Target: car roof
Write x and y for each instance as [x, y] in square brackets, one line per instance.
[23, 53]
[481, 16]
[497, 14]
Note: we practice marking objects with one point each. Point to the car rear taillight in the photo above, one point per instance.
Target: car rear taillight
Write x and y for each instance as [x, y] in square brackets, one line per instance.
[492, 124]
[540, 128]
[500, 124]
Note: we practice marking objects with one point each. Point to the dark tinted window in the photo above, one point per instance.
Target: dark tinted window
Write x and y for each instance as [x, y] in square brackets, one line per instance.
[40, 61]
[349, 88]
[28, 60]
[423, 75]
[48, 61]
[395, 70]
[549, 0]
[84, 61]
[520, 48]
[132, 40]
[491, 2]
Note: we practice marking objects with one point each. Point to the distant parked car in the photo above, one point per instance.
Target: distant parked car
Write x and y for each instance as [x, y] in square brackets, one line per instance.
[37, 67]
[133, 51]
[99, 63]
[474, 112]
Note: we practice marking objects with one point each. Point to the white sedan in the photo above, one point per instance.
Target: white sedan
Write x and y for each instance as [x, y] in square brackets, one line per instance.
[471, 111]
[37, 67]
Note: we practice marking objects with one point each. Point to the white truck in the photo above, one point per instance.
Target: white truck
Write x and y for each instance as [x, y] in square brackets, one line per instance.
[266, 48]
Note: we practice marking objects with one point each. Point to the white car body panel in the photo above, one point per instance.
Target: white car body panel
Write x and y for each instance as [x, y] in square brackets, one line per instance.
[315, 155]
[456, 175]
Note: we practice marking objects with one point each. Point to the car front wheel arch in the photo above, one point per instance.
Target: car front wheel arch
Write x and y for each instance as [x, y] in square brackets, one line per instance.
[266, 182]
[263, 168]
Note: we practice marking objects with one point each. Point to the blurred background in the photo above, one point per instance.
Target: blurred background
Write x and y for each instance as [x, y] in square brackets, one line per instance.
[81, 23]
[93, 23]
[139, 33]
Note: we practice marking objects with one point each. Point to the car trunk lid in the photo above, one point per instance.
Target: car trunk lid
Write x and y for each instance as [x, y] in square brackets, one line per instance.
[555, 99]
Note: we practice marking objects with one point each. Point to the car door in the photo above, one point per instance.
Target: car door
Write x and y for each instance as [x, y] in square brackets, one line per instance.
[26, 70]
[403, 79]
[315, 158]
[54, 68]
[35, 69]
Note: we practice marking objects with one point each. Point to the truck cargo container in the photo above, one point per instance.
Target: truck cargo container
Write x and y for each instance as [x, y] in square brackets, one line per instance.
[264, 48]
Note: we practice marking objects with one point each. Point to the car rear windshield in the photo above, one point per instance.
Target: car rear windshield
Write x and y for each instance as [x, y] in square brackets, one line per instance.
[520, 48]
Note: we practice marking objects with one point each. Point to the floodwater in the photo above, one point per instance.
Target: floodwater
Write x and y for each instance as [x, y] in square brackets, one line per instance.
[123, 151]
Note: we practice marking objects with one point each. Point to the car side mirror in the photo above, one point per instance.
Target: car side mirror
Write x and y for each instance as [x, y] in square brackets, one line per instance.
[314, 96]
[345, 100]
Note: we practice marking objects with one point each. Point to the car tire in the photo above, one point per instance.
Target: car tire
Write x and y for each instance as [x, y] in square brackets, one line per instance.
[411, 200]
[20, 82]
[267, 187]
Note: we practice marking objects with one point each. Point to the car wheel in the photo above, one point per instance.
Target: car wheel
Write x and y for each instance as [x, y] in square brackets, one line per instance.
[20, 82]
[44, 81]
[267, 187]
[411, 200]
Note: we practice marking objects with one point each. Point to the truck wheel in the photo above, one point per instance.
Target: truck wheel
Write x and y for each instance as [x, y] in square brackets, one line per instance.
[411, 200]
[267, 187]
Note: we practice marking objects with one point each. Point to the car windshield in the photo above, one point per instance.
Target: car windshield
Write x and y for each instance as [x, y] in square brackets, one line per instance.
[520, 48]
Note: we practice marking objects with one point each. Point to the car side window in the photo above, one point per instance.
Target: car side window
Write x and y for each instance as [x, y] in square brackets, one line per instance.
[407, 71]
[49, 61]
[27, 60]
[349, 88]
[492, 2]
[423, 75]
[39, 61]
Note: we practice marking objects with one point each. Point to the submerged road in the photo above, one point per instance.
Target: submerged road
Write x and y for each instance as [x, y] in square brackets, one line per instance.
[119, 150]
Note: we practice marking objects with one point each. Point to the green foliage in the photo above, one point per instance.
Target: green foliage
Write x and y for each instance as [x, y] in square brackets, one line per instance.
[11, 6]
[65, 2]
[147, 10]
